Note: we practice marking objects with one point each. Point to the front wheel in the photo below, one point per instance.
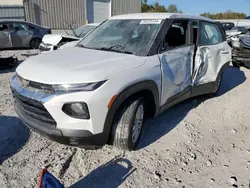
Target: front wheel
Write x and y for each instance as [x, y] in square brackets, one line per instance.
[128, 124]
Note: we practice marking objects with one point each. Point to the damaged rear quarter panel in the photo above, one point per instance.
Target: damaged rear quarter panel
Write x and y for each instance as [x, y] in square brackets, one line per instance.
[209, 60]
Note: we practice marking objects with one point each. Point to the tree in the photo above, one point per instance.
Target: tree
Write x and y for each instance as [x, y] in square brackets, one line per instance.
[157, 7]
[226, 15]
[172, 8]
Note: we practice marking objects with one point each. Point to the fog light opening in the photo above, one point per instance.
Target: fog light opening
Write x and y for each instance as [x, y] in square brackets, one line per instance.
[76, 110]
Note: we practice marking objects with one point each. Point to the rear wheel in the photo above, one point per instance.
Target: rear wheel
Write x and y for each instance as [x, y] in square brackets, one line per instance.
[217, 87]
[34, 44]
[235, 64]
[128, 124]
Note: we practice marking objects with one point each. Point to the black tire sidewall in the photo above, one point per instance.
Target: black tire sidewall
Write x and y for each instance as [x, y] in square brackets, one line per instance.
[132, 145]
[218, 82]
[32, 46]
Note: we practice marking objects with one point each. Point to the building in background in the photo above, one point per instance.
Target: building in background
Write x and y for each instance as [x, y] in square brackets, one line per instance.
[11, 2]
[11, 9]
[60, 14]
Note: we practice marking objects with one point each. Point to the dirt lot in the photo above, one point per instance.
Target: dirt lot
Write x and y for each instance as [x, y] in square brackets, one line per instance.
[203, 142]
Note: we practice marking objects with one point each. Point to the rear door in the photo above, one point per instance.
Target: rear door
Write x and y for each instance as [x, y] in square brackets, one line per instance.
[5, 40]
[213, 52]
[21, 34]
[176, 61]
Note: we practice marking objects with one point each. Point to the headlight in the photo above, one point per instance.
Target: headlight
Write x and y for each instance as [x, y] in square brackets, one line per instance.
[77, 87]
[236, 44]
[59, 87]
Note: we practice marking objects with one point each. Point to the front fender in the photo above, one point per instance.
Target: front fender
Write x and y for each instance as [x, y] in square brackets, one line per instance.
[125, 94]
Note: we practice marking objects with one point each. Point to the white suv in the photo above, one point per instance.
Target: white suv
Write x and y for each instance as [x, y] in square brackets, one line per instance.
[130, 68]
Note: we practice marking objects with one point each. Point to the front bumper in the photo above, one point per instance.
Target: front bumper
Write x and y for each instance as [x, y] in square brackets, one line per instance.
[81, 138]
[42, 113]
[46, 48]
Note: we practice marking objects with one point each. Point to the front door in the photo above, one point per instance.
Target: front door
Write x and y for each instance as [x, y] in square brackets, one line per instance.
[176, 61]
[5, 40]
[21, 35]
[213, 53]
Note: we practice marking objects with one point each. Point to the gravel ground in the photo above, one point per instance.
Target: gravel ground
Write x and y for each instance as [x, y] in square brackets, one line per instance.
[202, 142]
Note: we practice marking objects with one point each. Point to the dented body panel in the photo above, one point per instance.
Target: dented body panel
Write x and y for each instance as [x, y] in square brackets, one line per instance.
[176, 68]
[208, 62]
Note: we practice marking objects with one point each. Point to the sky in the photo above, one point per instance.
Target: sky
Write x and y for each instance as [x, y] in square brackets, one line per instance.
[212, 6]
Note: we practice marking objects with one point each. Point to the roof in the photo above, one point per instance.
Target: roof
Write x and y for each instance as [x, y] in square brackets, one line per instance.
[22, 21]
[160, 16]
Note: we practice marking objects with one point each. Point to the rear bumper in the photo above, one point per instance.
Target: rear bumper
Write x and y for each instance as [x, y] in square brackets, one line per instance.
[80, 138]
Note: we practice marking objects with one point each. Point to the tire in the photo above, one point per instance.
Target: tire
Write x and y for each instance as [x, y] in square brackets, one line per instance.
[218, 84]
[34, 43]
[128, 124]
[235, 64]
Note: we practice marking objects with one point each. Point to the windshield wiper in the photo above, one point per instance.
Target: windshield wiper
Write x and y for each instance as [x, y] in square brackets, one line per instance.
[115, 50]
[106, 49]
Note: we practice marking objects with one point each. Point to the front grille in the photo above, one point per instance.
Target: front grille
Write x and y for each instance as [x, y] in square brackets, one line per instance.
[34, 110]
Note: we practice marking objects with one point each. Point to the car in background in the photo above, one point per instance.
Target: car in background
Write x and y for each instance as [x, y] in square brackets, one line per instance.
[228, 25]
[237, 31]
[21, 34]
[241, 50]
[53, 41]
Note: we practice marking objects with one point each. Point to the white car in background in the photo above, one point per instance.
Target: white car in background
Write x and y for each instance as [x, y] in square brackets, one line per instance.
[130, 68]
[52, 42]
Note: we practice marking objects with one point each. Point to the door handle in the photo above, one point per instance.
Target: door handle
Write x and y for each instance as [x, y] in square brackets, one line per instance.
[224, 52]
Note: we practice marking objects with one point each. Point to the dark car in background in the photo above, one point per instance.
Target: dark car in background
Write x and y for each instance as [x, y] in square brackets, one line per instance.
[228, 25]
[21, 34]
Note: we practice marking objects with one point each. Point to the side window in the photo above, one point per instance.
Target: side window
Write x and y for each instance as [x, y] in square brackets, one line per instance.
[31, 28]
[4, 27]
[177, 35]
[20, 26]
[209, 34]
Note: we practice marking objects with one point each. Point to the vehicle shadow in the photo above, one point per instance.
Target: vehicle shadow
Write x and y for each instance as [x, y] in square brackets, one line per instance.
[7, 69]
[154, 129]
[110, 175]
[13, 136]
[232, 78]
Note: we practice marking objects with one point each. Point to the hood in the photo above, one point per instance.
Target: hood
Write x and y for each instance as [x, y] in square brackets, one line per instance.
[70, 44]
[76, 65]
[55, 39]
[245, 39]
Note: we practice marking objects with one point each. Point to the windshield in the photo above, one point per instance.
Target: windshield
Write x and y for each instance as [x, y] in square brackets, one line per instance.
[83, 30]
[123, 36]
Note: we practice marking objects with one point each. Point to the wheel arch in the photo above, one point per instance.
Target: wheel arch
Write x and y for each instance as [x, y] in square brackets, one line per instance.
[145, 88]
